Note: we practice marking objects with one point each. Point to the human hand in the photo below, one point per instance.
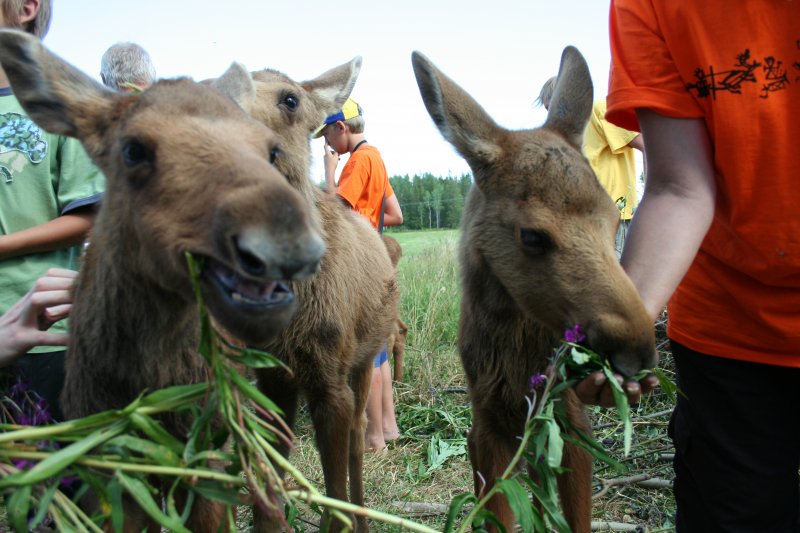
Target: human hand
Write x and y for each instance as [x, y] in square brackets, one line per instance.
[330, 157]
[25, 324]
[594, 389]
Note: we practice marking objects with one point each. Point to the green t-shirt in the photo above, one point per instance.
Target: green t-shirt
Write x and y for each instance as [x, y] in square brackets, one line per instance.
[42, 176]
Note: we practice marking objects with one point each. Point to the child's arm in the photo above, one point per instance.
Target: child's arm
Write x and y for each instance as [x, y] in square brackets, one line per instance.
[392, 214]
[67, 230]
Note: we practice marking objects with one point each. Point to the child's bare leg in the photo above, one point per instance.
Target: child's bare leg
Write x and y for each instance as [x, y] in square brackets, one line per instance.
[388, 419]
[374, 440]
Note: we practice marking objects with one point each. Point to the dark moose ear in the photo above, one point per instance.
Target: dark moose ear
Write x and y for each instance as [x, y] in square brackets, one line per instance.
[460, 119]
[56, 95]
[331, 89]
[571, 104]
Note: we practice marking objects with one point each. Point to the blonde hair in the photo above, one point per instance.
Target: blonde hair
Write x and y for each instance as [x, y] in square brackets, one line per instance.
[546, 94]
[38, 26]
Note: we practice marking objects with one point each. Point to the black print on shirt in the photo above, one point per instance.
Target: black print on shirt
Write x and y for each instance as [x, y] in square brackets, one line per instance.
[708, 83]
[772, 75]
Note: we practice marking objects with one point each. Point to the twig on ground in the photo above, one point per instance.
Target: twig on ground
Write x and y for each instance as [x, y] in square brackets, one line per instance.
[616, 526]
[642, 480]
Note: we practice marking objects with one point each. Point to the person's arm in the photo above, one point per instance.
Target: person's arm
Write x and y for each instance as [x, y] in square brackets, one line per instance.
[330, 160]
[24, 325]
[392, 214]
[638, 143]
[675, 213]
[67, 230]
[676, 210]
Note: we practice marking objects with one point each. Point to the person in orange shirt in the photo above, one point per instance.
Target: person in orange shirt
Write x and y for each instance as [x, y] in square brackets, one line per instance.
[713, 88]
[364, 187]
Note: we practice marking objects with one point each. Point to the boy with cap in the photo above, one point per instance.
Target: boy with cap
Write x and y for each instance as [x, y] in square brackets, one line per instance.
[364, 187]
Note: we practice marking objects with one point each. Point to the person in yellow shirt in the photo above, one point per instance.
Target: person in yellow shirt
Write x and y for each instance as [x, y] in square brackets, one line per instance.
[609, 150]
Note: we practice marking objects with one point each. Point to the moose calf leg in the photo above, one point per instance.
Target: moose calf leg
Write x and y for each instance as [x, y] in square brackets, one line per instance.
[332, 411]
[490, 456]
[276, 384]
[360, 382]
[575, 486]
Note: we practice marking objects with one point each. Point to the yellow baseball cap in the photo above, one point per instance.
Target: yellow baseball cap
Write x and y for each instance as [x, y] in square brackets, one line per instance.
[349, 110]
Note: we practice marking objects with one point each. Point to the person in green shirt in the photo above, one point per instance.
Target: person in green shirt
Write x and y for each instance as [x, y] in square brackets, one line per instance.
[49, 189]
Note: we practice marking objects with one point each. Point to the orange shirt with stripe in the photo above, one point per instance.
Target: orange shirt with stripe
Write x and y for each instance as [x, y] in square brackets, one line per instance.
[364, 181]
[683, 58]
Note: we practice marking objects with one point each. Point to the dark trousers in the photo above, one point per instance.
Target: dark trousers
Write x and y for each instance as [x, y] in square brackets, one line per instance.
[737, 445]
[44, 374]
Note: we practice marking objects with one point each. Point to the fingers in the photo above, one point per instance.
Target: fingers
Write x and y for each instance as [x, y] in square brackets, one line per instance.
[53, 314]
[595, 389]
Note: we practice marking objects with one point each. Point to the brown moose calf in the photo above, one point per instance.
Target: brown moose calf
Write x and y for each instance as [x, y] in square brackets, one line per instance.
[536, 257]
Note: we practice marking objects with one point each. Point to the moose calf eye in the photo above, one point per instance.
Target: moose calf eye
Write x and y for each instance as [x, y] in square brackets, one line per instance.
[274, 154]
[291, 101]
[135, 153]
[535, 240]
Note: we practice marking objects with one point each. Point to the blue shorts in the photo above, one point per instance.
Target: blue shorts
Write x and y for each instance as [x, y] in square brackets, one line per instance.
[381, 358]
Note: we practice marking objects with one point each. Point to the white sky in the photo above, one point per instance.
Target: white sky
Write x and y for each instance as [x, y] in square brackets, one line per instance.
[501, 51]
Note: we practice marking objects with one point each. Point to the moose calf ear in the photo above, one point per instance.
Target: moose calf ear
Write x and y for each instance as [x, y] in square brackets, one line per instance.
[571, 104]
[331, 89]
[460, 119]
[57, 96]
[237, 83]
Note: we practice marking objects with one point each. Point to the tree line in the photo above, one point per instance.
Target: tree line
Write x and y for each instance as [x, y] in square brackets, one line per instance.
[430, 201]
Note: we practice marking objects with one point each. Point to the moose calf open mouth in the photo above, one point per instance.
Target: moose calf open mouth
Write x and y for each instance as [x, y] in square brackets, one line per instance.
[239, 291]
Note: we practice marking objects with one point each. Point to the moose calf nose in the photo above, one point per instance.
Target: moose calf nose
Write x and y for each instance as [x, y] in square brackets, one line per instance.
[285, 257]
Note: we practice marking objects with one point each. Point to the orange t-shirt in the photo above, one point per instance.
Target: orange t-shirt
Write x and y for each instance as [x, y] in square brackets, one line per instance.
[364, 181]
[737, 66]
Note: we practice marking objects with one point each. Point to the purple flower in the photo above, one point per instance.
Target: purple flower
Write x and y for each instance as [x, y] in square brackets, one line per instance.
[18, 390]
[574, 334]
[68, 481]
[537, 380]
[21, 464]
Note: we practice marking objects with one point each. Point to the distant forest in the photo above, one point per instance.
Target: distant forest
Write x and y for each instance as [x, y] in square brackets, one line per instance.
[430, 201]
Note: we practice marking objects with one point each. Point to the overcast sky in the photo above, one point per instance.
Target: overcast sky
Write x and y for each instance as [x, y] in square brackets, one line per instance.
[501, 51]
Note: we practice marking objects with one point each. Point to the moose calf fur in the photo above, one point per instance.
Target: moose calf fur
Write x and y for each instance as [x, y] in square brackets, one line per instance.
[186, 171]
[536, 256]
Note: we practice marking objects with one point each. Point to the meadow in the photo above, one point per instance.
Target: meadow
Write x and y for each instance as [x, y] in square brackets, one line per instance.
[420, 473]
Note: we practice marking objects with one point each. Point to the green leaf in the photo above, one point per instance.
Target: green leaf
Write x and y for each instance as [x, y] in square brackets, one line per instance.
[141, 494]
[519, 503]
[213, 490]
[44, 504]
[666, 384]
[155, 453]
[156, 432]
[555, 445]
[17, 508]
[549, 500]
[579, 357]
[63, 458]
[456, 504]
[114, 494]
[623, 409]
[252, 392]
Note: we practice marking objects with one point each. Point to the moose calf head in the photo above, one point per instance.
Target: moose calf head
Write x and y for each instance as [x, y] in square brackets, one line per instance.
[187, 170]
[538, 220]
